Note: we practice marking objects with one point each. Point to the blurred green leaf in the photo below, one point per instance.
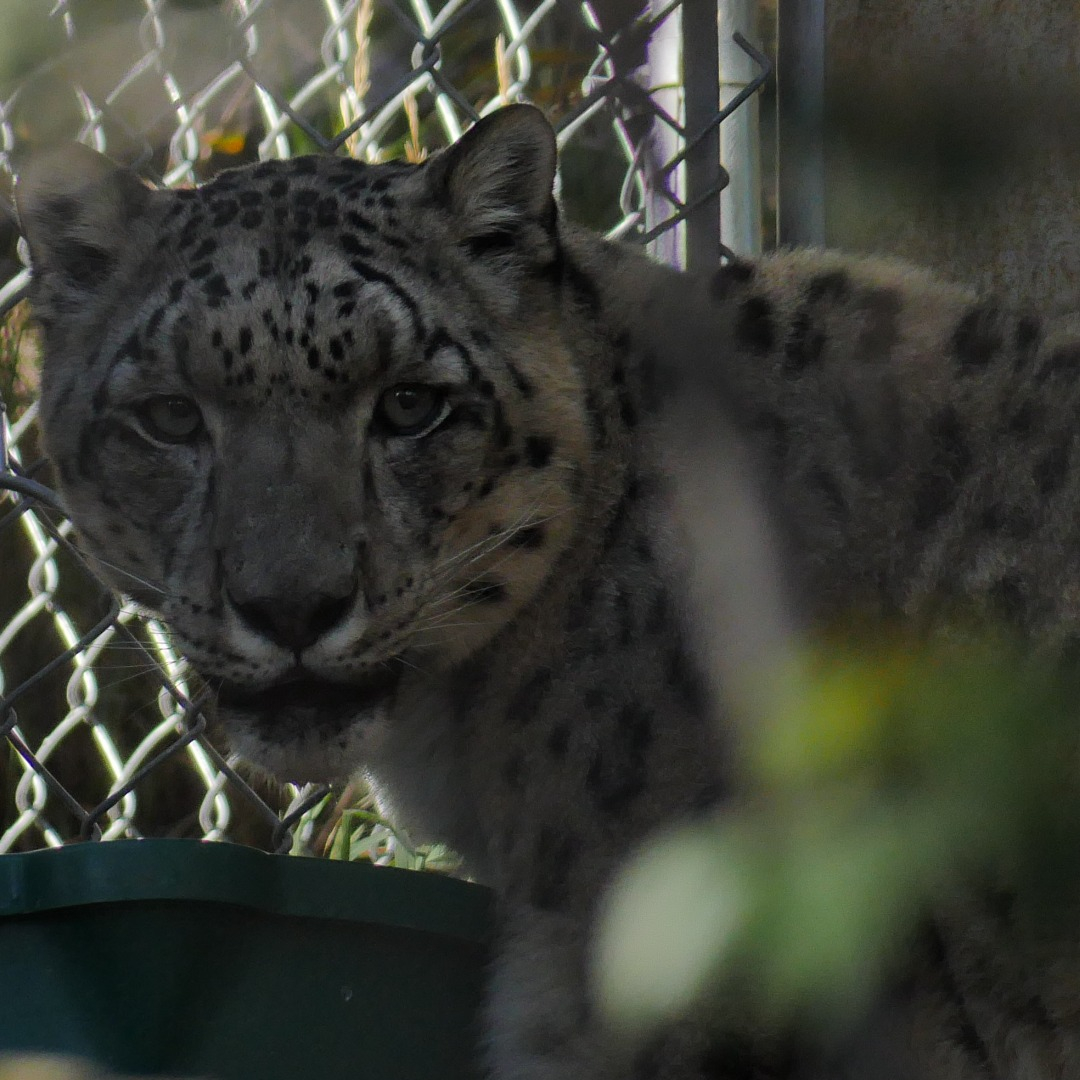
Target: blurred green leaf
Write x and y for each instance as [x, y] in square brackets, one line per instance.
[891, 770]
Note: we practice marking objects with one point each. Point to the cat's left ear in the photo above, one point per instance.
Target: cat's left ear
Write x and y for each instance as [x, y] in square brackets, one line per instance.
[497, 179]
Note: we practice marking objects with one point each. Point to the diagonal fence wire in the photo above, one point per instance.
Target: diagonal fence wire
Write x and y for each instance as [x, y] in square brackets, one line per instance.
[103, 726]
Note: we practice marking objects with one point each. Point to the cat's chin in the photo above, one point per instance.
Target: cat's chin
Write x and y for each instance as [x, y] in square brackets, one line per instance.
[305, 730]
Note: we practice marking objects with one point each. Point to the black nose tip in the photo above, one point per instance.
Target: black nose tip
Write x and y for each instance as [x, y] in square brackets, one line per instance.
[294, 623]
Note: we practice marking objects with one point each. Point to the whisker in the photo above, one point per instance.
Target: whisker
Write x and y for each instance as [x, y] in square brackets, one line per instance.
[434, 620]
[127, 573]
[497, 540]
[479, 576]
[142, 673]
[148, 667]
[527, 519]
[113, 646]
[406, 663]
[451, 626]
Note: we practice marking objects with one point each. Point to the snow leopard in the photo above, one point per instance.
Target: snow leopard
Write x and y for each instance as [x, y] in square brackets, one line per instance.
[383, 445]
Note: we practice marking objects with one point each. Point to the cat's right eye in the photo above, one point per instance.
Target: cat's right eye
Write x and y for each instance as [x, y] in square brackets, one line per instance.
[170, 418]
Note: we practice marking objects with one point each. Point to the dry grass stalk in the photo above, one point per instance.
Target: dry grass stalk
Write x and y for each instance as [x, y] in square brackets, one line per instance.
[502, 69]
[414, 151]
[361, 70]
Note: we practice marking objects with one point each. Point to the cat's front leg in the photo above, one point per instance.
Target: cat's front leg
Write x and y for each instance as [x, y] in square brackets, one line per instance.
[541, 1024]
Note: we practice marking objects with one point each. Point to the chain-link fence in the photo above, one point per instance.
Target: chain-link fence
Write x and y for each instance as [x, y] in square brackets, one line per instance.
[104, 726]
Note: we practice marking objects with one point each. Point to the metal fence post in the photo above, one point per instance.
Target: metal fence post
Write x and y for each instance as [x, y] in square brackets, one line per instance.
[740, 134]
[801, 94]
[704, 174]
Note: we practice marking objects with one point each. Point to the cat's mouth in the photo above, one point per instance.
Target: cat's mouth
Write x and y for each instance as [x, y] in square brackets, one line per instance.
[310, 695]
[304, 728]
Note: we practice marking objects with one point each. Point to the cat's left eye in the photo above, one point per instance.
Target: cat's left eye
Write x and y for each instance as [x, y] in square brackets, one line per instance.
[170, 418]
[412, 409]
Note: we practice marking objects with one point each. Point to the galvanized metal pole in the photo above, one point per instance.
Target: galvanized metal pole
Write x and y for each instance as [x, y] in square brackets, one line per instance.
[740, 133]
[801, 97]
[704, 174]
[665, 49]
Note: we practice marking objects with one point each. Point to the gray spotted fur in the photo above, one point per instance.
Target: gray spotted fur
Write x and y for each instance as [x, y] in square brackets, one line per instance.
[506, 591]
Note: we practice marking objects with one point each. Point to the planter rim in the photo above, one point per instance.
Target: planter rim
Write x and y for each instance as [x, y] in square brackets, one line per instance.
[132, 871]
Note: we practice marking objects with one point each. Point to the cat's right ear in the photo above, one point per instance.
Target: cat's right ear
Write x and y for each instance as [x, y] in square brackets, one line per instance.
[76, 209]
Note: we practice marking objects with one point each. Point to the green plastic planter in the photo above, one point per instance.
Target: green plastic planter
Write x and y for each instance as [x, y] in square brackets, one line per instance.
[211, 960]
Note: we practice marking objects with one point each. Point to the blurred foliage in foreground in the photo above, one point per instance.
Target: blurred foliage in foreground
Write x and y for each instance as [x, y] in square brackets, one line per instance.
[887, 775]
[47, 1067]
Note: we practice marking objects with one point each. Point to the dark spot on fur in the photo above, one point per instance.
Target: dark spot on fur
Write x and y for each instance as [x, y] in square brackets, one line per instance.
[594, 699]
[754, 326]
[831, 286]
[558, 740]
[514, 774]
[132, 347]
[963, 1029]
[950, 461]
[828, 487]
[503, 433]
[682, 675]
[977, 338]
[730, 276]
[538, 450]
[553, 862]
[1006, 520]
[1064, 360]
[485, 590]
[530, 695]
[352, 246]
[581, 285]
[1027, 338]
[216, 290]
[657, 617]
[806, 341]
[774, 430]
[738, 1056]
[618, 771]
[1024, 421]
[1053, 467]
[223, 210]
[880, 308]
[523, 386]
[708, 798]
[528, 538]
[624, 614]
[356, 220]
